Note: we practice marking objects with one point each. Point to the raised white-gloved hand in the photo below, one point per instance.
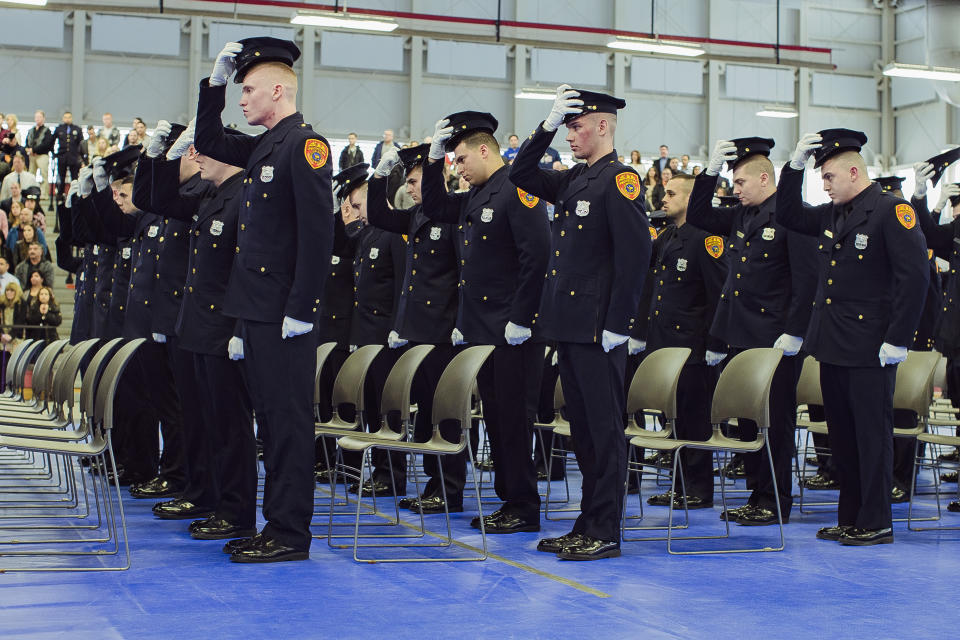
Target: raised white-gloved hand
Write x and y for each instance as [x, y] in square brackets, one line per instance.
[890, 354]
[394, 340]
[946, 192]
[808, 143]
[515, 334]
[714, 358]
[456, 338]
[610, 340]
[352, 348]
[567, 101]
[635, 346]
[100, 178]
[160, 133]
[388, 161]
[922, 171]
[86, 181]
[723, 151]
[225, 64]
[790, 345]
[293, 328]
[159, 337]
[74, 191]
[235, 348]
[441, 133]
[183, 142]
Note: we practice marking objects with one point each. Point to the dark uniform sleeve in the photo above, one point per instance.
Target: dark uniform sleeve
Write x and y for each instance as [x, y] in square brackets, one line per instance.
[700, 211]
[379, 214]
[525, 172]
[165, 194]
[791, 210]
[209, 138]
[102, 207]
[313, 207]
[907, 252]
[438, 205]
[398, 257]
[642, 324]
[531, 234]
[143, 183]
[803, 282]
[939, 237]
[714, 274]
[630, 237]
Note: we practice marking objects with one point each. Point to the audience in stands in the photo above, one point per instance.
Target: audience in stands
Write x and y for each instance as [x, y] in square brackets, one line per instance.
[35, 261]
[42, 315]
[14, 313]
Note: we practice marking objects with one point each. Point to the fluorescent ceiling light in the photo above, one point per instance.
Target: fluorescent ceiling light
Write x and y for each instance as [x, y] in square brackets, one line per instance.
[656, 46]
[777, 112]
[899, 70]
[535, 94]
[342, 21]
[33, 3]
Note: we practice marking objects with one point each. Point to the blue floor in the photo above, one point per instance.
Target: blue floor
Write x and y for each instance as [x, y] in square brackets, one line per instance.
[183, 588]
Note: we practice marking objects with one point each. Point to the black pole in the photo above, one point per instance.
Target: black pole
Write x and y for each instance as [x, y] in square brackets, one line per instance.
[778, 31]
[499, 7]
[653, 4]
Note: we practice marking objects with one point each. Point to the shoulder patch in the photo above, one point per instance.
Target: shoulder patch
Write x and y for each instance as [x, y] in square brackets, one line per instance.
[906, 216]
[529, 200]
[628, 183]
[316, 152]
[929, 254]
[714, 246]
[653, 233]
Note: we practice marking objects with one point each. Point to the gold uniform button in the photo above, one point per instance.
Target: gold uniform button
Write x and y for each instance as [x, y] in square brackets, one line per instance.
[314, 309]
[190, 289]
[572, 292]
[829, 280]
[556, 253]
[738, 276]
[563, 233]
[860, 317]
[829, 301]
[743, 259]
[211, 307]
[238, 249]
[553, 272]
[484, 298]
[836, 246]
[262, 269]
[833, 263]
[736, 293]
[428, 302]
[242, 227]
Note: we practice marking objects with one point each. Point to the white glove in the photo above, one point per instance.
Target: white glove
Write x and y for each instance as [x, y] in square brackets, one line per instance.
[635, 346]
[235, 348]
[807, 144]
[890, 354]
[714, 358]
[611, 340]
[74, 190]
[567, 102]
[160, 133]
[394, 340]
[183, 143]
[515, 334]
[441, 133]
[100, 178]
[723, 151]
[946, 191]
[456, 338]
[225, 65]
[922, 171]
[293, 328]
[555, 360]
[790, 345]
[388, 161]
[86, 181]
[352, 348]
[159, 337]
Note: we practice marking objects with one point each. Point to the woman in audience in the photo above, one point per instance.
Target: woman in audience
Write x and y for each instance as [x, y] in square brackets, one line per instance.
[20, 239]
[656, 198]
[34, 284]
[12, 121]
[14, 313]
[649, 184]
[635, 161]
[43, 314]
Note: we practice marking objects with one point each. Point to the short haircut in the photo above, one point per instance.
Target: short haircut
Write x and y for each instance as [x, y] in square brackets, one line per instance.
[68, 113]
[663, 146]
[280, 73]
[352, 134]
[686, 178]
[40, 111]
[513, 135]
[849, 159]
[756, 164]
[477, 138]
[127, 180]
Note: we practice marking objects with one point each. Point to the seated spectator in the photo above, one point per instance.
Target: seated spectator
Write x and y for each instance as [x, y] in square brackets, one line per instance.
[696, 170]
[635, 161]
[14, 313]
[513, 147]
[674, 165]
[31, 205]
[34, 262]
[26, 231]
[18, 175]
[132, 139]
[44, 314]
[32, 287]
[16, 194]
[660, 190]
[5, 276]
[650, 183]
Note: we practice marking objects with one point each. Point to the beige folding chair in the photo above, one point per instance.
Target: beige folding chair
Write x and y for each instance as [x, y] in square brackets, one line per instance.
[809, 393]
[743, 391]
[559, 426]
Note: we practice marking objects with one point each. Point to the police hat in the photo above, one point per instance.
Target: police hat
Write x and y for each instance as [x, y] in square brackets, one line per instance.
[594, 102]
[728, 201]
[32, 193]
[413, 156]
[890, 183]
[350, 178]
[175, 131]
[264, 49]
[941, 162]
[747, 147]
[835, 141]
[120, 164]
[467, 122]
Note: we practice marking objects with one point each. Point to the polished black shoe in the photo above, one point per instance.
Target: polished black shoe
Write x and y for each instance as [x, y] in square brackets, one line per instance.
[484, 465]
[156, 488]
[382, 489]
[953, 456]
[813, 461]
[556, 545]
[509, 523]
[407, 503]
[693, 502]
[949, 477]
[488, 520]
[865, 537]
[220, 529]
[590, 549]
[833, 533]
[268, 550]
[733, 470]
[324, 476]
[898, 495]
[758, 517]
[180, 509]
[733, 514]
[659, 459]
[819, 482]
[954, 506]
[199, 523]
[241, 543]
[661, 499]
[434, 504]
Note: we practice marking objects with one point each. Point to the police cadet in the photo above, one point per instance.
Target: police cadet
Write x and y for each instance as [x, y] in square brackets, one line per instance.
[504, 244]
[426, 313]
[81, 237]
[284, 242]
[378, 276]
[104, 250]
[872, 279]
[764, 303]
[65, 245]
[688, 268]
[601, 247]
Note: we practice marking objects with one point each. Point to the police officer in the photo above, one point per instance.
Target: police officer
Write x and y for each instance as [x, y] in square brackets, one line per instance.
[284, 241]
[601, 246]
[70, 150]
[872, 279]
[426, 313]
[764, 302]
[504, 238]
[688, 268]
[81, 237]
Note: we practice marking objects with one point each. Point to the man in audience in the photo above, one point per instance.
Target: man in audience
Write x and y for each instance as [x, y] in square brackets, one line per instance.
[39, 143]
[386, 142]
[513, 145]
[18, 175]
[5, 276]
[351, 153]
[109, 132]
[35, 262]
[663, 161]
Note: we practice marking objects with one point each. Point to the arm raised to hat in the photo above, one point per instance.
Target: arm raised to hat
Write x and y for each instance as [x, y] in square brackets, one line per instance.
[438, 205]
[792, 212]
[525, 172]
[104, 209]
[939, 237]
[209, 137]
[700, 211]
[166, 197]
[379, 214]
